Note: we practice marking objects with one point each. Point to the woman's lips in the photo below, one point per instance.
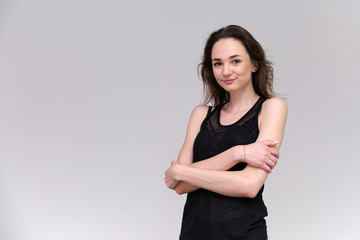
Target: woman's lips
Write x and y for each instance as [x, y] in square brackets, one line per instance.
[228, 81]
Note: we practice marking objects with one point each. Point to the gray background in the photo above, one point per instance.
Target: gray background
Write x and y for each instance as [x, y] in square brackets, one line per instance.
[95, 97]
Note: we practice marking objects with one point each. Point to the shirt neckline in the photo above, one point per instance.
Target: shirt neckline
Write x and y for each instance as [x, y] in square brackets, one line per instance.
[242, 117]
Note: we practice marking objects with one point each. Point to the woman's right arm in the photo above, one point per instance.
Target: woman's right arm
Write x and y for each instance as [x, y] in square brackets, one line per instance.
[264, 156]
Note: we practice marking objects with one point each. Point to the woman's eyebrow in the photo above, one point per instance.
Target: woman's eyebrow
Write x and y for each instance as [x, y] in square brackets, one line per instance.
[233, 56]
[216, 59]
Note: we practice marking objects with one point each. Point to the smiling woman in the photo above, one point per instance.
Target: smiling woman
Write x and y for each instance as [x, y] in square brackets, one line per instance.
[230, 147]
[232, 72]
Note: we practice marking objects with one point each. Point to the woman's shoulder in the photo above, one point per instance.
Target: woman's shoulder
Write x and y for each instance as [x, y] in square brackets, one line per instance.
[272, 108]
[197, 116]
[200, 111]
[274, 103]
[201, 108]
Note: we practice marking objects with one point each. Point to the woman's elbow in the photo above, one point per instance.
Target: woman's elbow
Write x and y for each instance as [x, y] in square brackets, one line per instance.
[251, 190]
[252, 194]
[179, 190]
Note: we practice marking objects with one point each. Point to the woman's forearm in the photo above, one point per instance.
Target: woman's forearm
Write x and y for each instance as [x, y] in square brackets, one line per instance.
[223, 161]
[228, 183]
[262, 155]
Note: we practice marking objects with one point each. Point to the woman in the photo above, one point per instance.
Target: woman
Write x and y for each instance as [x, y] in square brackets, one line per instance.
[230, 148]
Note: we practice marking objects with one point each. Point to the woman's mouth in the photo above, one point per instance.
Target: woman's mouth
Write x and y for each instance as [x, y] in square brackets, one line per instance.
[228, 81]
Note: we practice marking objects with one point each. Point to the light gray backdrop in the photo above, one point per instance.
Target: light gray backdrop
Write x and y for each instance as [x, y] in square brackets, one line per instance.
[95, 97]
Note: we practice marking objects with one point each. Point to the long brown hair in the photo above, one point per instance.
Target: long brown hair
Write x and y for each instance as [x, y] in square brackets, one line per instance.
[262, 79]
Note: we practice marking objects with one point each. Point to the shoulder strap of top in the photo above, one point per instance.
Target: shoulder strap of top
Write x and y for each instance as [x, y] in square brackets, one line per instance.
[209, 111]
[259, 104]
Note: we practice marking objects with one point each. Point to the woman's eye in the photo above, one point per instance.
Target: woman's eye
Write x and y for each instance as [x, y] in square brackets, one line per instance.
[217, 64]
[236, 61]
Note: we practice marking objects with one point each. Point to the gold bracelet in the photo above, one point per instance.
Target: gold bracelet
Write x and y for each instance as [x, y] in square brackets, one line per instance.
[244, 155]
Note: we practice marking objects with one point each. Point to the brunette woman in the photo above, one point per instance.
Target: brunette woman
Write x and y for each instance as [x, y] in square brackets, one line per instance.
[232, 146]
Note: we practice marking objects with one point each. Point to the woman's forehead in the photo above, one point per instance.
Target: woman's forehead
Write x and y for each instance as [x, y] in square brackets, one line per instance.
[227, 47]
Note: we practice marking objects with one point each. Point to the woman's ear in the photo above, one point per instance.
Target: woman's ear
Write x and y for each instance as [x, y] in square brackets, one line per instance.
[254, 67]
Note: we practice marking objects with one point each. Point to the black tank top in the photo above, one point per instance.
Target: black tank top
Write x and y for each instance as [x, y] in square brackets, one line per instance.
[208, 215]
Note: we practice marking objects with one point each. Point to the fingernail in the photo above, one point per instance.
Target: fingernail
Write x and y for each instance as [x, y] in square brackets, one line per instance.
[276, 141]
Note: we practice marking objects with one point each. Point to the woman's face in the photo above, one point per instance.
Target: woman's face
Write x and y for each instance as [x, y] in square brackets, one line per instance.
[231, 65]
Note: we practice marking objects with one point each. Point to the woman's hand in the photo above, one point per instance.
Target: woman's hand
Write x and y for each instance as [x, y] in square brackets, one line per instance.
[261, 154]
[171, 174]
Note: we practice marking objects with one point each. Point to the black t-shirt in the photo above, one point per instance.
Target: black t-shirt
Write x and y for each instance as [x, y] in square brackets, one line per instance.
[208, 215]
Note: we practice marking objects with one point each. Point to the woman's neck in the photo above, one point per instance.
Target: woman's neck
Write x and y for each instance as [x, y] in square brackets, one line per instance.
[240, 101]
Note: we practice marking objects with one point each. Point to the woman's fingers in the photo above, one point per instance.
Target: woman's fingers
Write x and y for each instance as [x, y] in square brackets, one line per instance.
[262, 155]
[170, 183]
[270, 163]
[274, 152]
[265, 167]
[273, 159]
[169, 176]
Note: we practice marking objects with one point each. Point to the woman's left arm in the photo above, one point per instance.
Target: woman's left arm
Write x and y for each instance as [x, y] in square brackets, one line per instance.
[272, 120]
[248, 182]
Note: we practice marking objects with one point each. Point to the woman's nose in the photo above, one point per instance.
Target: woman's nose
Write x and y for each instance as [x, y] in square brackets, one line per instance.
[226, 70]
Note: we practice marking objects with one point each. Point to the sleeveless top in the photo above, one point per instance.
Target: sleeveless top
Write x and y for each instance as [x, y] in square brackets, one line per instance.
[208, 215]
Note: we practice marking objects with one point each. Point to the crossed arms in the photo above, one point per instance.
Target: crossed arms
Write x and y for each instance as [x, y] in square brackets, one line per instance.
[183, 176]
